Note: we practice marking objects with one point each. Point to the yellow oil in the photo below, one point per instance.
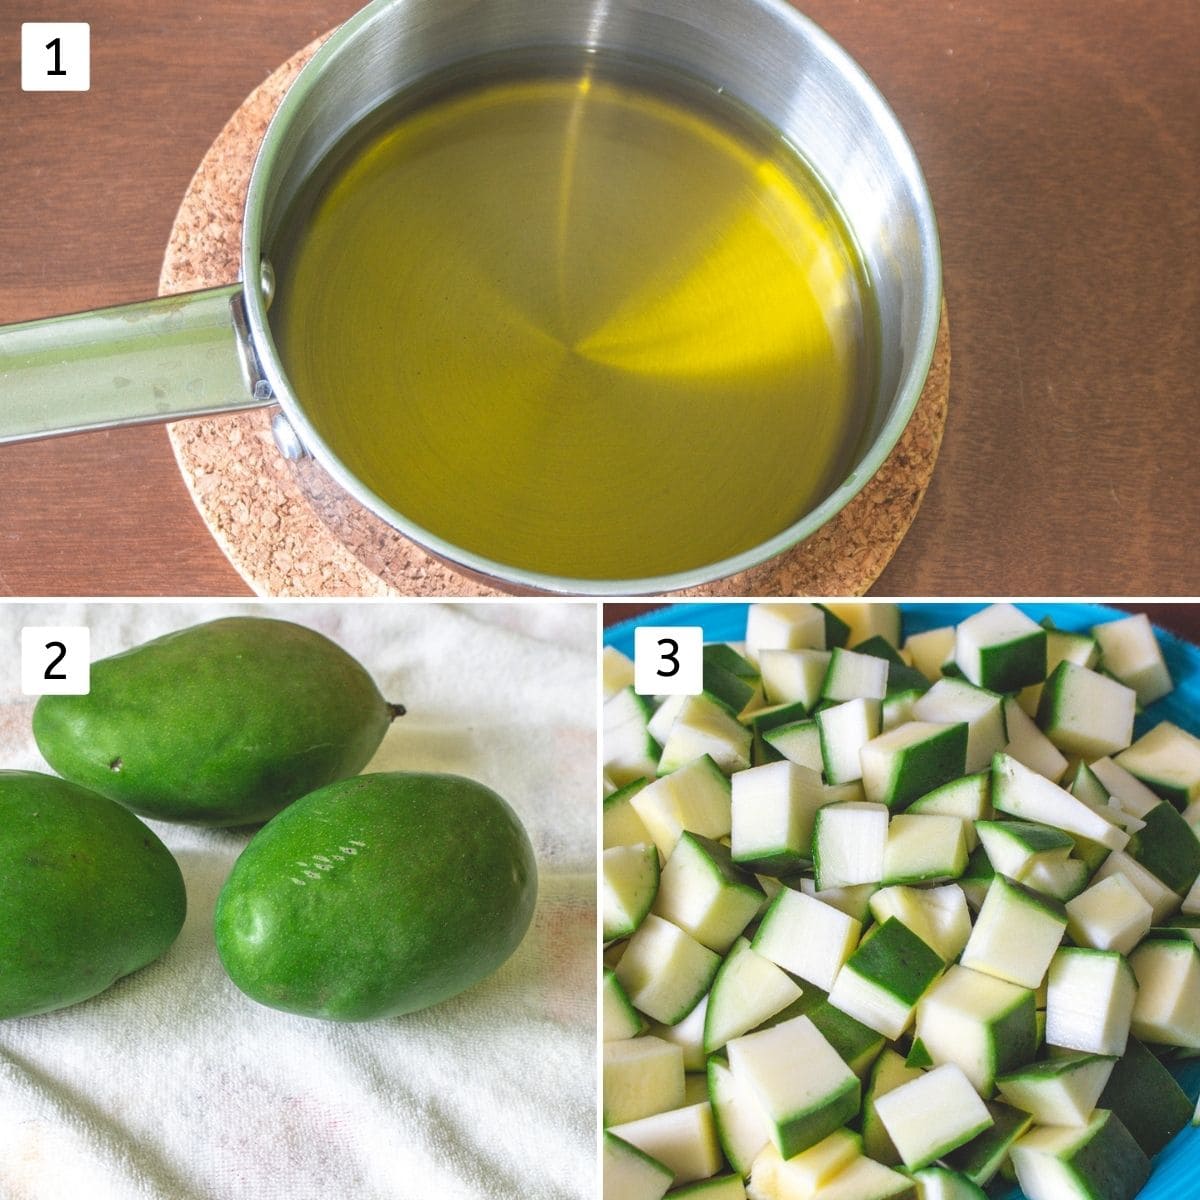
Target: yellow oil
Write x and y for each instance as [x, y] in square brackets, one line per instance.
[580, 323]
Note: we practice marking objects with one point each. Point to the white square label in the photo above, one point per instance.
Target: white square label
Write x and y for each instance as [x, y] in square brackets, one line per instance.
[56, 660]
[56, 56]
[668, 660]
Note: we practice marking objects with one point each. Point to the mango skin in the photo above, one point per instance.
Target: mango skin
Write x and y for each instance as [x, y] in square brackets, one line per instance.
[87, 894]
[377, 896]
[224, 723]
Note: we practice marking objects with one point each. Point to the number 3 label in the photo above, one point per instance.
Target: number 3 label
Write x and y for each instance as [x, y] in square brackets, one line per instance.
[55, 660]
[668, 660]
[56, 56]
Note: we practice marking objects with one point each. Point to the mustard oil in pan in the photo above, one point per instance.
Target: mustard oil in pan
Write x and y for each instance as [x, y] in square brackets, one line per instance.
[588, 320]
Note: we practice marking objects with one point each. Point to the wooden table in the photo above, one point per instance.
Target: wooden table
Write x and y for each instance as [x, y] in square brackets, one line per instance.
[1062, 151]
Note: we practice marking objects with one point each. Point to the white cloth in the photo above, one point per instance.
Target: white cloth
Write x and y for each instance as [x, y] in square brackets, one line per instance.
[172, 1085]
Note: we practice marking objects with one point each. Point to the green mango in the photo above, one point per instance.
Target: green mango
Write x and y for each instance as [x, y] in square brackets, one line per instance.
[87, 894]
[220, 724]
[377, 896]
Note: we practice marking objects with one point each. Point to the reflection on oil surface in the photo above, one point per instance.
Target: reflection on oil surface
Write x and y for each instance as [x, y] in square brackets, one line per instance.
[579, 322]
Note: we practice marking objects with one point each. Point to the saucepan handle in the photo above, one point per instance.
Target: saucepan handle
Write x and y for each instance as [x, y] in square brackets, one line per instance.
[158, 360]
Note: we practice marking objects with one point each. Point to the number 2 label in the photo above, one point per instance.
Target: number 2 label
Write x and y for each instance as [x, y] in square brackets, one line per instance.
[55, 660]
[668, 660]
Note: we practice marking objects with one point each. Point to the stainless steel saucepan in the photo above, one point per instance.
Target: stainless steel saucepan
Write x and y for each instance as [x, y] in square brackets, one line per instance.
[213, 351]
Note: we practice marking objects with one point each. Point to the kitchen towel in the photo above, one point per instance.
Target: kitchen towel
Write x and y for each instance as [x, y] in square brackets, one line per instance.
[172, 1085]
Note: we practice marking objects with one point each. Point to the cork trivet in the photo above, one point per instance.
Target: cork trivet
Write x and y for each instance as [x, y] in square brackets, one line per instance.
[267, 525]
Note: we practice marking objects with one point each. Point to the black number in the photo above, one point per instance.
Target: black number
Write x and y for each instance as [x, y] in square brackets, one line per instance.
[62, 653]
[671, 656]
[53, 45]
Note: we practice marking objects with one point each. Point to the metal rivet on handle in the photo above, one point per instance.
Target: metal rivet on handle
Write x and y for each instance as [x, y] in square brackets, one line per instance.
[266, 280]
[290, 445]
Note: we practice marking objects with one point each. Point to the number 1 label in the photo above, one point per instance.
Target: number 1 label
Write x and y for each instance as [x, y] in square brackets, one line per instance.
[56, 56]
[55, 660]
[668, 660]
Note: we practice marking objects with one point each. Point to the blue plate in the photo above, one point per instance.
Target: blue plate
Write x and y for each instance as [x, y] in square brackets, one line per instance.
[1176, 1174]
